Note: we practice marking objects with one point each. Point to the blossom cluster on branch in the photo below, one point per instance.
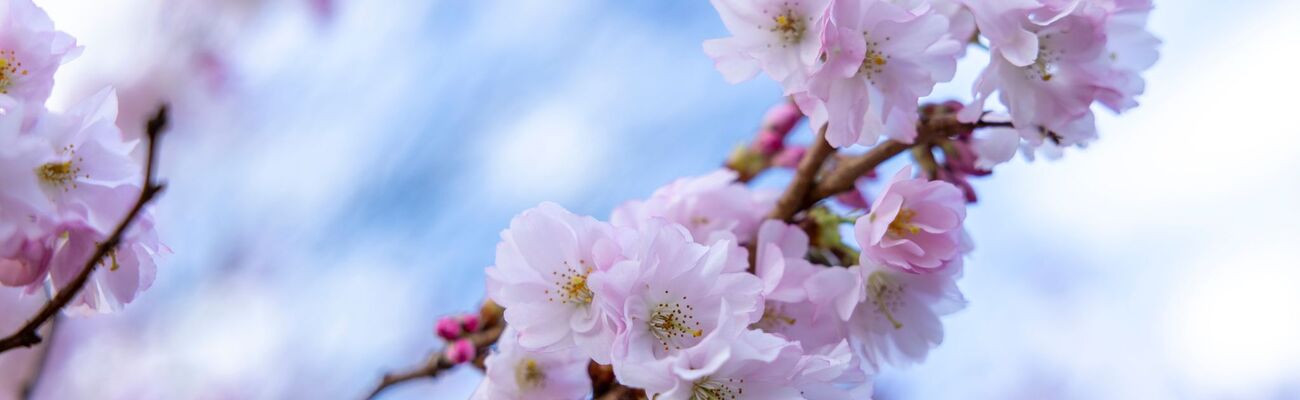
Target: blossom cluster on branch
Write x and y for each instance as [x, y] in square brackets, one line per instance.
[710, 289]
[69, 178]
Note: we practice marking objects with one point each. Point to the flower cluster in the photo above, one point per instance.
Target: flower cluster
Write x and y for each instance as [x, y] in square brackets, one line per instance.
[68, 178]
[667, 293]
[710, 289]
[860, 66]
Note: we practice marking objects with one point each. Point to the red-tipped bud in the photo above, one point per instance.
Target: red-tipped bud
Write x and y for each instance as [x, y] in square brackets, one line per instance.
[448, 328]
[469, 322]
[782, 118]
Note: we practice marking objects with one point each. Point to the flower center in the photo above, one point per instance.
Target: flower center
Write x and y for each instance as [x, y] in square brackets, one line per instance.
[671, 323]
[712, 389]
[902, 224]
[1044, 67]
[774, 318]
[874, 61]
[789, 27]
[571, 284]
[886, 295]
[529, 375]
[61, 174]
[10, 70]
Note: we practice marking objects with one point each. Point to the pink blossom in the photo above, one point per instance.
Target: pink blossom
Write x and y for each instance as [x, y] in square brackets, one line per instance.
[1130, 50]
[672, 293]
[127, 271]
[789, 157]
[515, 372]
[779, 37]
[713, 207]
[30, 51]
[898, 323]
[880, 60]
[914, 225]
[543, 265]
[752, 365]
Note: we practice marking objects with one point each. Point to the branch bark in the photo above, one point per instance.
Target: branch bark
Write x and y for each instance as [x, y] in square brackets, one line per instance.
[792, 200]
[438, 362]
[27, 335]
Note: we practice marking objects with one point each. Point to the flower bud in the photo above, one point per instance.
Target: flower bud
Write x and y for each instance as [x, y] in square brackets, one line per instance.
[781, 119]
[789, 157]
[448, 328]
[469, 322]
[460, 351]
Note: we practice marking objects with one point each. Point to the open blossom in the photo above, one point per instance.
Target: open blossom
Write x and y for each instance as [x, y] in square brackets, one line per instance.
[126, 271]
[915, 225]
[752, 365]
[881, 59]
[30, 51]
[515, 372]
[1130, 50]
[543, 264]
[90, 159]
[898, 323]
[672, 293]
[713, 207]
[779, 37]
[805, 303]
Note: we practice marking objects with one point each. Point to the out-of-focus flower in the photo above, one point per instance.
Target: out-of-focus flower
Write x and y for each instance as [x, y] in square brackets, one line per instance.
[779, 37]
[914, 225]
[30, 51]
[518, 373]
[448, 328]
[898, 323]
[713, 207]
[880, 60]
[123, 274]
[543, 266]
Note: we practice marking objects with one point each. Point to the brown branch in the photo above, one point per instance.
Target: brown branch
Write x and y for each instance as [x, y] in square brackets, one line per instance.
[27, 335]
[792, 201]
[620, 392]
[438, 362]
[844, 176]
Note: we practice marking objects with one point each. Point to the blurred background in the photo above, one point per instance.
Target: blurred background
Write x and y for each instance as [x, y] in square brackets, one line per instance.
[339, 172]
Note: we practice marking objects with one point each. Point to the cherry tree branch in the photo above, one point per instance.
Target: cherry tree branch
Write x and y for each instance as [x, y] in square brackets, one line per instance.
[439, 363]
[27, 335]
[792, 200]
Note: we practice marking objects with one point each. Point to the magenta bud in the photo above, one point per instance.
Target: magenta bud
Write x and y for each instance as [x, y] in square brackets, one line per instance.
[469, 322]
[448, 328]
[782, 118]
[853, 199]
[789, 157]
[768, 143]
[460, 351]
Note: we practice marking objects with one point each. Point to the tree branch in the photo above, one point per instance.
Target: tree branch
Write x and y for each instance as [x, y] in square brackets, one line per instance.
[27, 335]
[439, 363]
[792, 200]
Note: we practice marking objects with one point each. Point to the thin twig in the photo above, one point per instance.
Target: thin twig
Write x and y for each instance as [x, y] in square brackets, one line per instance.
[791, 201]
[27, 335]
[438, 362]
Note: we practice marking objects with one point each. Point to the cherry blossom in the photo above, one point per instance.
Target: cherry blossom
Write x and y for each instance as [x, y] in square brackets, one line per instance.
[673, 293]
[543, 265]
[914, 225]
[30, 51]
[713, 207]
[779, 37]
[753, 365]
[880, 60]
[898, 323]
[515, 372]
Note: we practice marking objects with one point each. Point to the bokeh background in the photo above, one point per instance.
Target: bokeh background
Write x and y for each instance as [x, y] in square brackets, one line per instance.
[340, 170]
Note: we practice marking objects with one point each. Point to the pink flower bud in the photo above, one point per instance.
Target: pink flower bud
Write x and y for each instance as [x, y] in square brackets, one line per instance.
[768, 143]
[789, 157]
[469, 322]
[448, 328]
[782, 118]
[460, 351]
